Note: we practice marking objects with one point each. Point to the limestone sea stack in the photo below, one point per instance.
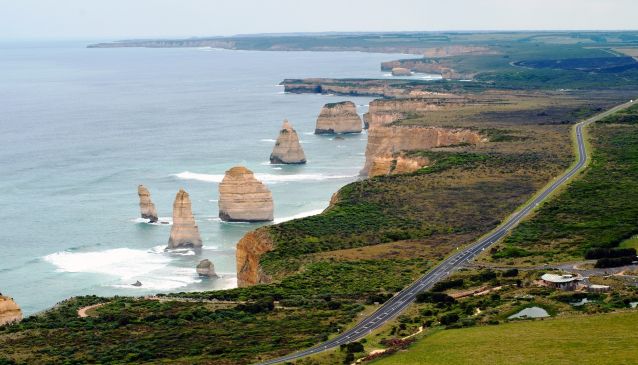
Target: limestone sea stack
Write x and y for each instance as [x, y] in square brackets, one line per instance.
[338, 118]
[243, 198]
[147, 208]
[184, 232]
[9, 311]
[206, 268]
[287, 148]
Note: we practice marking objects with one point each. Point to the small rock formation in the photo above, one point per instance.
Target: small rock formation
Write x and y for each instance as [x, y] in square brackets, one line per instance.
[137, 283]
[9, 311]
[147, 208]
[249, 250]
[386, 142]
[184, 232]
[243, 198]
[287, 148]
[401, 71]
[338, 118]
[206, 268]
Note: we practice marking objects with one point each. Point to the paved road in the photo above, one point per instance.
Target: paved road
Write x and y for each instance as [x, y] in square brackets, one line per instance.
[404, 298]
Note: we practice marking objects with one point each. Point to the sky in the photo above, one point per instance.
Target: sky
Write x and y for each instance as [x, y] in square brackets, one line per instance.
[122, 19]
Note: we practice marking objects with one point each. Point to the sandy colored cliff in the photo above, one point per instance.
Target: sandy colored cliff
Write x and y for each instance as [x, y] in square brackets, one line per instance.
[243, 198]
[386, 142]
[287, 148]
[249, 251]
[9, 311]
[184, 232]
[338, 118]
[386, 111]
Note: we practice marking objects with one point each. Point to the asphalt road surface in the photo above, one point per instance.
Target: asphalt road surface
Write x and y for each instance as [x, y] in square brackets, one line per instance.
[394, 306]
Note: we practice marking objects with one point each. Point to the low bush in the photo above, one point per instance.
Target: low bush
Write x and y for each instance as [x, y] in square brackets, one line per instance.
[614, 261]
[603, 252]
[434, 297]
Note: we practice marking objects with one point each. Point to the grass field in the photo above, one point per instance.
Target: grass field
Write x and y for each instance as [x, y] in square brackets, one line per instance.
[630, 243]
[572, 340]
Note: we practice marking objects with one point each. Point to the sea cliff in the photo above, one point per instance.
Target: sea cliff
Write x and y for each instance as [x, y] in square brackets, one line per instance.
[385, 142]
[9, 311]
[249, 251]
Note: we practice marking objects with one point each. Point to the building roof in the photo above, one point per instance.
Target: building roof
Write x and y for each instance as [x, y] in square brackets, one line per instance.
[553, 278]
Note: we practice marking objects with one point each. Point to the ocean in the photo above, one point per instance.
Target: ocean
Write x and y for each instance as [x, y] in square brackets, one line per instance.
[81, 128]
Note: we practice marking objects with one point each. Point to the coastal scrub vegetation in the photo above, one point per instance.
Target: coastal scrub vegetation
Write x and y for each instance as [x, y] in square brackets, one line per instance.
[594, 211]
[380, 234]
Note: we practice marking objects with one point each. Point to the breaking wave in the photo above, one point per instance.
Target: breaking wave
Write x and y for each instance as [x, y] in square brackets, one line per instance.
[300, 215]
[151, 267]
[162, 221]
[267, 178]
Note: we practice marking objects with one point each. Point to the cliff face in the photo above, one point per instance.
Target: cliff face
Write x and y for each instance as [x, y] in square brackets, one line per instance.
[243, 198]
[338, 118]
[147, 208]
[385, 142]
[394, 88]
[386, 111]
[287, 148]
[249, 250]
[184, 232]
[392, 165]
[9, 311]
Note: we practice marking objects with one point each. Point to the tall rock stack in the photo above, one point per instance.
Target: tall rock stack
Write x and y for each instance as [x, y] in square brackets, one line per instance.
[338, 118]
[147, 208]
[9, 311]
[184, 232]
[287, 148]
[243, 198]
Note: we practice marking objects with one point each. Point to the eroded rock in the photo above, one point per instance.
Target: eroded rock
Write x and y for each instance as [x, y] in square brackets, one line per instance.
[147, 208]
[287, 149]
[385, 143]
[184, 232]
[206, 268]
[10, 312]
[339, 117]
[243, 198]
[249, 251]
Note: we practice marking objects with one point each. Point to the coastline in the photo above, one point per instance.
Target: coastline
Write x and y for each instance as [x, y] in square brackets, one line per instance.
[216, 115]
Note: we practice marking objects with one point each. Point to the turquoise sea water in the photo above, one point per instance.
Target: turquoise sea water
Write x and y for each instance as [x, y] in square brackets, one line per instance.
[81, 128]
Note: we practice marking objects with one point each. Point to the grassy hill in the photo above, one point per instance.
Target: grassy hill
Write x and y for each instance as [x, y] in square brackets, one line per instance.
[602, 339]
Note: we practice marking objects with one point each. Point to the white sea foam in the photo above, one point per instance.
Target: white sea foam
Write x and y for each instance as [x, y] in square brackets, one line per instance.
[268, 140]
[151, 267]
[162, 221]
[300, 215]
[267, 178]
